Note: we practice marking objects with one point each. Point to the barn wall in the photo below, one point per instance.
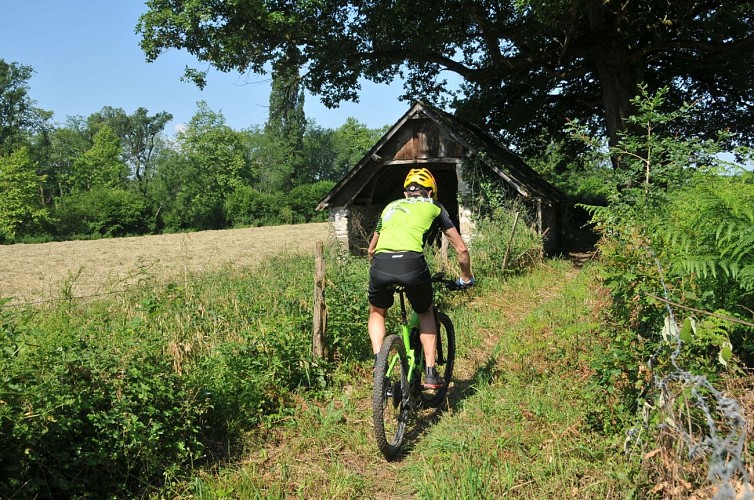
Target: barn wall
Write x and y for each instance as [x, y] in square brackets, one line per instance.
[339, 222]
[466, 224]
[548, 225]
[353, 227]
[553, 224]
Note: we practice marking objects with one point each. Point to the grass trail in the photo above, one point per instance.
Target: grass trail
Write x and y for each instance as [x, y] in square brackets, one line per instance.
[516, 423]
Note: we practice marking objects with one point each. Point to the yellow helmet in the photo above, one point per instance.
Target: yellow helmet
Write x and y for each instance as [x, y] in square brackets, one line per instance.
[422, 177]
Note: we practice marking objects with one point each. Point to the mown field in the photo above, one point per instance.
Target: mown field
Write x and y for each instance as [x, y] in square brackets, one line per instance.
[44, 271]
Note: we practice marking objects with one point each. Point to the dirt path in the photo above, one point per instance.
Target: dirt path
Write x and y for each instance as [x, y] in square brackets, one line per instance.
[480, 359]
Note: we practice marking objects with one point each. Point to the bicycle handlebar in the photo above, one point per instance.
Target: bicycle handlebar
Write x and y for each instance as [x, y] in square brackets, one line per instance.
[450, 284]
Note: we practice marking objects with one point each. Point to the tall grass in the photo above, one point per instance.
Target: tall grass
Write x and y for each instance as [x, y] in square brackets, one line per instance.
[115, 396]
[523, 430]
[133, 394]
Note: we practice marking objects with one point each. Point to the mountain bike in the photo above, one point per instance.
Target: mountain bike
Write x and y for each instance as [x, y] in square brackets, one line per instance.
[398, 390]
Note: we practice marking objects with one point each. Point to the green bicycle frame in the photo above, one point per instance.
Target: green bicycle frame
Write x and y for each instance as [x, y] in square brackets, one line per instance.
[406, 326]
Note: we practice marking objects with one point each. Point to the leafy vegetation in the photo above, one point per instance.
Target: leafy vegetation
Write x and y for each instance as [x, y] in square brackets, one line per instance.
[113, 174]
[676, 255]
[642, 361]
[139, 390]
[518, 66]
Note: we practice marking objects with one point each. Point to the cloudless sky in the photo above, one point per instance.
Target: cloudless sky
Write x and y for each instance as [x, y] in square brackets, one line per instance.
[86, 55]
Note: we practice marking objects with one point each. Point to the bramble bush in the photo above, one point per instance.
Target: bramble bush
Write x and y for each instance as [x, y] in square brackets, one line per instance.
[89, 406]
[117, 397]
[676, 249]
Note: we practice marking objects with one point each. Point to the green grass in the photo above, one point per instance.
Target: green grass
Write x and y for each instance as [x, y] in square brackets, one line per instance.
[523, 432]
[206, 388]
[518, 427]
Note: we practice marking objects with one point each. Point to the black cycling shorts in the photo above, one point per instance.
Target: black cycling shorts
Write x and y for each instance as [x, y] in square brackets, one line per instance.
[408, 269]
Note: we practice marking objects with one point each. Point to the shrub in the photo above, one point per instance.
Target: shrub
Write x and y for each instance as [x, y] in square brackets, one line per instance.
[676, 249]
[89, 408]
[101, 212]
[246, 206]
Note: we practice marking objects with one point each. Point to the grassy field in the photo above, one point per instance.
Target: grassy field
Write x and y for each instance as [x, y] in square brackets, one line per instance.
[39, 272]
[224, 400]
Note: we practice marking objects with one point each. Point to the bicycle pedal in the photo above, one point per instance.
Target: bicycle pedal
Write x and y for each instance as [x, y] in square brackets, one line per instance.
[394, 392]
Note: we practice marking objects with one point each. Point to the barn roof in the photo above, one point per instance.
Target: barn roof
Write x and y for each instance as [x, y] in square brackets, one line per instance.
[470, 142]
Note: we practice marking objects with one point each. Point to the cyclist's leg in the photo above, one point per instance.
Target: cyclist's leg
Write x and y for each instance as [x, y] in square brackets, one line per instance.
[376, 326]
[419, 294]
[380, 299]
[428, 336]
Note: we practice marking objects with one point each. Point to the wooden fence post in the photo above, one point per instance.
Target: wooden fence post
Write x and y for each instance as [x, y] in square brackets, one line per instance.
[510, 241]
[320, 308]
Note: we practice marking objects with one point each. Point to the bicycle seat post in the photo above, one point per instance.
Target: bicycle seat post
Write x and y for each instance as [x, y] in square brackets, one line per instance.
[404, 317]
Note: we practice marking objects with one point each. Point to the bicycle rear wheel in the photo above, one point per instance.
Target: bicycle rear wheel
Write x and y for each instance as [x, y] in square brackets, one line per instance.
[390, 399]
[445, 357]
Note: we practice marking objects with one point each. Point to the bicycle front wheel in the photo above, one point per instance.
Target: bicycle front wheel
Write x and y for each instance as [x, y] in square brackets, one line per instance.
[390, 399]
[445, 357]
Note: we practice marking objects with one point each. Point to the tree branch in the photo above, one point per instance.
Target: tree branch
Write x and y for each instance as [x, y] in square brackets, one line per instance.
[693, 309]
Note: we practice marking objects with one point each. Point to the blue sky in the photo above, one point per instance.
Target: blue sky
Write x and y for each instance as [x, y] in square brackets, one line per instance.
[86, 55]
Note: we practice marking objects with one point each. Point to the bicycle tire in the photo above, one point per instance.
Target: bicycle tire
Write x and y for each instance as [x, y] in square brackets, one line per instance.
[445, 359]
[390, 398]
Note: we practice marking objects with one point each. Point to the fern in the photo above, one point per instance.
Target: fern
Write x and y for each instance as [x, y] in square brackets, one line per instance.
[709, 229]
[735, 241]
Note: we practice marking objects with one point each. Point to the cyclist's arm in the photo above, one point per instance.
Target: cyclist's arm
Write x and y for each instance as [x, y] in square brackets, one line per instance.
[462, 253]
[373, 245]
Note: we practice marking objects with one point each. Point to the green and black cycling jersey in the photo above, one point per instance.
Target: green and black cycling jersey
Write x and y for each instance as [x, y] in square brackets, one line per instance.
[406, 222]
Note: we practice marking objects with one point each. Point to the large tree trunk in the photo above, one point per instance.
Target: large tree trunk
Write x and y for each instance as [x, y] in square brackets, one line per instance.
[618, 75]
[619, 86]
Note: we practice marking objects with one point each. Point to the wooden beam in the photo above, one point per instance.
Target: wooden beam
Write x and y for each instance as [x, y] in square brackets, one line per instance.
[422, 161]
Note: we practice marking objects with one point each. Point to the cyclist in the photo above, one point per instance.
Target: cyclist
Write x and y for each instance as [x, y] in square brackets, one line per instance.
[396, 252]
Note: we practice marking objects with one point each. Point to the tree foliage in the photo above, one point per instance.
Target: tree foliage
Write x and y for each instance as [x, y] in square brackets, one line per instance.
[526, 65]
[139, 135]
[682, 234]
[115, 174]
[20, 203]
[101, 165]
[19, 116]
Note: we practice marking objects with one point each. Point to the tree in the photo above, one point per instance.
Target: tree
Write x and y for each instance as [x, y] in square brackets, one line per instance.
[352, 140]
[319, 155]
[139, 136]
[193, 183]
[285, 127]
[272, 160]
[101, 165]
[18, 113]
[527, 66]
[20, 203]
[286, 118]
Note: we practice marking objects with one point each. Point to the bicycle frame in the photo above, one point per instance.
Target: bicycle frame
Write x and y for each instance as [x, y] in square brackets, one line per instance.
[407, 326]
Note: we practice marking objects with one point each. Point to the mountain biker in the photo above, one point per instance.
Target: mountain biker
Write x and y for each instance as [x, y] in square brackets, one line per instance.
[396, 252]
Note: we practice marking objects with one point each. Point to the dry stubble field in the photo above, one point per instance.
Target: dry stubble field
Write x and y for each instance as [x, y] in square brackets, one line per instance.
[39, 272]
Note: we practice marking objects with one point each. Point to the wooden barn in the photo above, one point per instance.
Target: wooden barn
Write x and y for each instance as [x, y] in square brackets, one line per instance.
[452, 149]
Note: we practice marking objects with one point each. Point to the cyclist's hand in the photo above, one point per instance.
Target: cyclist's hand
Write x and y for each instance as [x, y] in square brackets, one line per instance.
[461, 284]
